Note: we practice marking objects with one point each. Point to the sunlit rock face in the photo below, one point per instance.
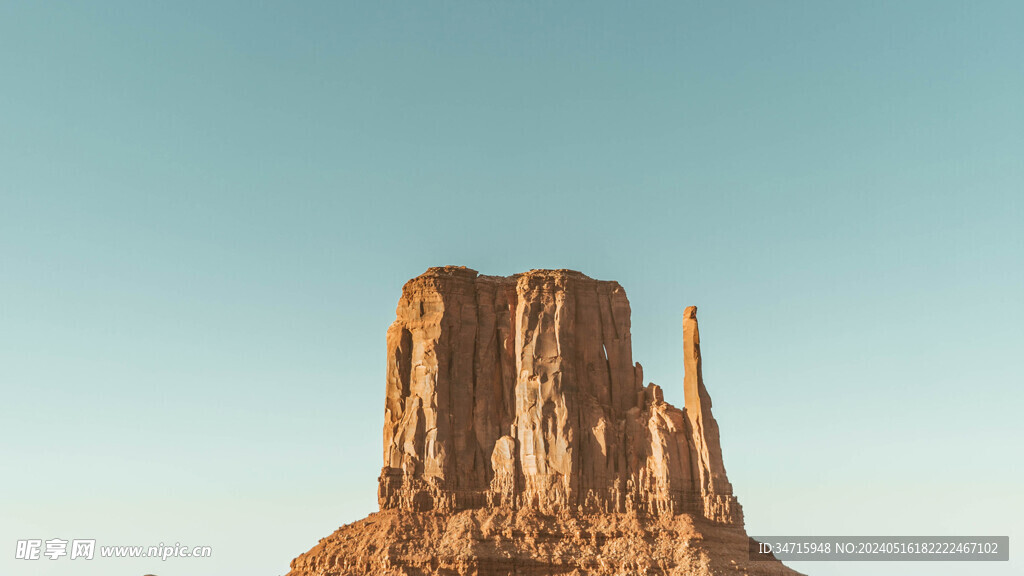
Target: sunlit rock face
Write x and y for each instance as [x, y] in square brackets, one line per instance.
[520, 439]
[522, 392]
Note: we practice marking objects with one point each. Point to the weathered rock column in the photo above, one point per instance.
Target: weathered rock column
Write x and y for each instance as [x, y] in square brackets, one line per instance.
[712, 483]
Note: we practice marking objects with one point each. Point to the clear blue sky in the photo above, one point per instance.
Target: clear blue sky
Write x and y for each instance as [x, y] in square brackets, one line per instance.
[208, 209]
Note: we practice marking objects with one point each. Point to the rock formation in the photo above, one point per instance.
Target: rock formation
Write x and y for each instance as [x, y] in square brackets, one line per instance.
[514, 412]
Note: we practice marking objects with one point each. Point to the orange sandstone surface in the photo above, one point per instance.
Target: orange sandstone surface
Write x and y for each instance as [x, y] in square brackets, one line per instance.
[520, 439]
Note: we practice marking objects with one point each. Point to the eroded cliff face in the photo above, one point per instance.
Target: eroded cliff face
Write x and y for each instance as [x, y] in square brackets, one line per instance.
[521, 392]
[520, 440]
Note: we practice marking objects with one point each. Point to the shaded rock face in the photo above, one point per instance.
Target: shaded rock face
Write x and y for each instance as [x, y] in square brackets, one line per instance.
[521, 393]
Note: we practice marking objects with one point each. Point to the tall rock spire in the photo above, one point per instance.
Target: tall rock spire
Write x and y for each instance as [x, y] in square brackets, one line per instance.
[707, 457]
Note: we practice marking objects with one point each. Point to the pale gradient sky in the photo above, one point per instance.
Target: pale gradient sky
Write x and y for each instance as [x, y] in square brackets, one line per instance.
[208, 209]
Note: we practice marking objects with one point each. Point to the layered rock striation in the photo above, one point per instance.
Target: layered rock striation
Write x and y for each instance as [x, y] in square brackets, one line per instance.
[520, 439]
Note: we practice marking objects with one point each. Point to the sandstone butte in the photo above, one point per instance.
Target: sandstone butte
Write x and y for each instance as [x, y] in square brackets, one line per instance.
[520, 439]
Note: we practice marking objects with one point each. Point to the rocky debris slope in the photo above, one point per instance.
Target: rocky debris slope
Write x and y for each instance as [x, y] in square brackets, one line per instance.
[519, 438]
[524, 542]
